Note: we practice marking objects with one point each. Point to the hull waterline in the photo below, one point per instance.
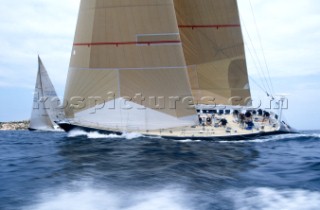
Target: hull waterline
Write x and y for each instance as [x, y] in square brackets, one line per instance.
[71, 127]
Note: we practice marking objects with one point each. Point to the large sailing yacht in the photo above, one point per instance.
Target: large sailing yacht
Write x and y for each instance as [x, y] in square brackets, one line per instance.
[169, 68]
[45, 108]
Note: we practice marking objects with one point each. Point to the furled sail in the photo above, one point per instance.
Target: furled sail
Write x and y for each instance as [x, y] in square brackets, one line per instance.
[214, 50]
[46, 103]
[127, 68]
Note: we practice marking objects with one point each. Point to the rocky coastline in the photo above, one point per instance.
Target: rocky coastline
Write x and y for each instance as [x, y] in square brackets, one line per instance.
[13, 126]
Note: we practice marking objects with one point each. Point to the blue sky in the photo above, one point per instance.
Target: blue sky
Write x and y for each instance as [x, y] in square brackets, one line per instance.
[289, 34]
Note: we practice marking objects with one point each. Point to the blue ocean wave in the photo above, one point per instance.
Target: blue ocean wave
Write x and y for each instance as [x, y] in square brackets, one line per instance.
[47, 170]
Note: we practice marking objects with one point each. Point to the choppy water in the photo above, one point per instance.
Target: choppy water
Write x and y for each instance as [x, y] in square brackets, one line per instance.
[80, 171]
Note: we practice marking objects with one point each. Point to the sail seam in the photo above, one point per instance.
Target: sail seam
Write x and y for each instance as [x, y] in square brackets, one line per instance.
[128, 43]
[210, 26]
[141, 68]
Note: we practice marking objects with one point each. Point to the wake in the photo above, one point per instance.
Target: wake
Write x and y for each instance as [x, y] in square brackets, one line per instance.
[97, 135]
[265, 198]
[89, 198]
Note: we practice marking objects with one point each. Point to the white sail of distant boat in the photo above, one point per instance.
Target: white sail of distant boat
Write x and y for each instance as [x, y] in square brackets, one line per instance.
[140, 66]
[45, 108]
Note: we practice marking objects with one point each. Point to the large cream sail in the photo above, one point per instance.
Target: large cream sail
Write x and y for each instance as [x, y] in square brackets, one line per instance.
[214, 50]
[46, 103]
[127, 68]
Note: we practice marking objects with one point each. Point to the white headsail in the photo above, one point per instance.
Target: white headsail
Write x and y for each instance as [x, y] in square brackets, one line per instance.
[46, 103]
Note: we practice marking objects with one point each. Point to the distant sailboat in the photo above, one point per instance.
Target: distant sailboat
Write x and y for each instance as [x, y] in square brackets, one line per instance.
[45, 103]
[138, 66]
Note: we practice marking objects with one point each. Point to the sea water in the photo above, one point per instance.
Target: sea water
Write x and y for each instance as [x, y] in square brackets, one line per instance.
[90, 171]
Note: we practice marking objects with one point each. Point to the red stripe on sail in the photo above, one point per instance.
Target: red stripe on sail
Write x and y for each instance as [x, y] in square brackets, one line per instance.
[210, 26]
[128, 43]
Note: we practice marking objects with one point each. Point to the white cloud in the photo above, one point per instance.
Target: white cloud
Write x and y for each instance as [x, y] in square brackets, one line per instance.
[290, 35]
[29, 28]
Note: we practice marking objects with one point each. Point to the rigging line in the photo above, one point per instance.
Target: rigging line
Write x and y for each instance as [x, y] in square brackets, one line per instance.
[259, 37]
[214, 43]
[251, 78]
[243, 71]
[260, 70]
[254, 61]
[259, 86]
[263, 78]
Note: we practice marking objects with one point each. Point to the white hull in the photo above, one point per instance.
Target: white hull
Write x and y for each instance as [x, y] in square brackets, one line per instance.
[233, 130]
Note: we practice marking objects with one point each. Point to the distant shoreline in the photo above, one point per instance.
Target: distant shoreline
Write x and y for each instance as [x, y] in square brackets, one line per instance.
[15, 125]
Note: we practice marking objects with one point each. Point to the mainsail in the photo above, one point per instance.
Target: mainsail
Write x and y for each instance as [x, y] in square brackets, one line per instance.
[138, 65]
[45, 102]
[214, 50]
[127, 68]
